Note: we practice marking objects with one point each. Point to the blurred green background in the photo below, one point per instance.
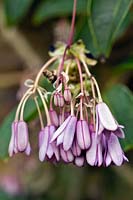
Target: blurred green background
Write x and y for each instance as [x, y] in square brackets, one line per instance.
[28, 28]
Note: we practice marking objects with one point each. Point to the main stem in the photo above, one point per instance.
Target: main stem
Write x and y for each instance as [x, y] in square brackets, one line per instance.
[70, 38]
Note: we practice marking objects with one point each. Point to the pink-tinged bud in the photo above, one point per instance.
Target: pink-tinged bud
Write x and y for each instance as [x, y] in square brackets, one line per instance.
[79, 161]
[21, 135]
[66, 156]
[54, 117]
[58, 100]
[83, 134]
[61, 101]
[67, 95]
[76, 149]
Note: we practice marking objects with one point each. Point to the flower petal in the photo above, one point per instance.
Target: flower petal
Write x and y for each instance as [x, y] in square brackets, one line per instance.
[50, 151]
[115, 150]
[28, 149]
[83, 134]
[91, 153]
[67, 156]
[12, 140]
[79, 161]
[60, 139]
[119, 133]
[44, 143]
[69, 133]
[108, 159]
[60, 129]
[21, 135]
[106, 117]
[76, 149]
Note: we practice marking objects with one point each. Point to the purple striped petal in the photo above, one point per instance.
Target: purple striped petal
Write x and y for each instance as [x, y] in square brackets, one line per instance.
[99, 154]
[108, 159]
[92, 152]
[83, 134]
[66, 156]
[79, 161]
[44, 143]
[76, 149]
[56, 151]
[50, 150]
[60, 139]
[60, 129]
[69, 133]
[115, 150]
[106, 117]
[21, 135]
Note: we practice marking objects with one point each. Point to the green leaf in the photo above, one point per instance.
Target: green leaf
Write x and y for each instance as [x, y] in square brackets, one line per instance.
[120, 100]
[30, 113]
[105, 20]
[15, 10]
[56, 8]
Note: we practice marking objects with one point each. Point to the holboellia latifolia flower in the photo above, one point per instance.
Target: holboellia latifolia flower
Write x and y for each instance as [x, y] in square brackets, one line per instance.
[79, 127]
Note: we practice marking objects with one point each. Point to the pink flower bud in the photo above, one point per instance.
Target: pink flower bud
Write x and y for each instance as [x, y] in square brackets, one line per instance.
[67, 95]
[54, 117]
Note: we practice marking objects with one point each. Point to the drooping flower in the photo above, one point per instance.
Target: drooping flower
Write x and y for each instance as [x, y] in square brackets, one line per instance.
[94, 155]
[66, 132]
[45, 147]
[113, 151]
[105, 120]
[19, 141]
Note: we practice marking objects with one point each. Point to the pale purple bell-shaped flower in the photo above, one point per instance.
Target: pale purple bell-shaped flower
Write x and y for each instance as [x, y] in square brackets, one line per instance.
[54, 117]
[106, 121]
[19, 141]
[66, 132]
[67, 95]
[113, 151]
[94, 154]
[83, 134]
[67, 156]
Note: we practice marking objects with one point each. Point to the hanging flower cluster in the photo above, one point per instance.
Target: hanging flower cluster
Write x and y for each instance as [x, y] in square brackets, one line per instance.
[79, 126]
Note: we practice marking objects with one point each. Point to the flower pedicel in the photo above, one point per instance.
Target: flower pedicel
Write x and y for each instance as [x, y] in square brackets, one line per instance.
[79, 126]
